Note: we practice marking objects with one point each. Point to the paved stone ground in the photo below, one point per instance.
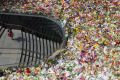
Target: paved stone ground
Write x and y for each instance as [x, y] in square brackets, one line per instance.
[10, 50]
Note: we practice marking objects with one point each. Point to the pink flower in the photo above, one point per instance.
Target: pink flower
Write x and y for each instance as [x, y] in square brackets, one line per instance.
[82, 78]
[91, 23]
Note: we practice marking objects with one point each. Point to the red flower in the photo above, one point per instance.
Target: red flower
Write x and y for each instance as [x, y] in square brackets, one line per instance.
[27, 71]
[19, 71]
[115, 3]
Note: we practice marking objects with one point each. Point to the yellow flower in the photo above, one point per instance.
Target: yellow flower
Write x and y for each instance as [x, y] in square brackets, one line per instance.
[77, 29]
[80, 46]
[96, 45]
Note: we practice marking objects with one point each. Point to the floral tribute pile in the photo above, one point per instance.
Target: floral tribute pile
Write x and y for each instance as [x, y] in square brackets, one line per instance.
[93, 49]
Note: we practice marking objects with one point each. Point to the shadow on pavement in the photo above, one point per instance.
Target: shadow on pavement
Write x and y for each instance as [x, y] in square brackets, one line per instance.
[19, 39]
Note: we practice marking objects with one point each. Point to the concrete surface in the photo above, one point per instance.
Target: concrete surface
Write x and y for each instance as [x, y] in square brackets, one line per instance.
[10, 50]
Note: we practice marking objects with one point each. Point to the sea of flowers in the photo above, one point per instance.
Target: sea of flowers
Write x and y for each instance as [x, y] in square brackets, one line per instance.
[93, 48]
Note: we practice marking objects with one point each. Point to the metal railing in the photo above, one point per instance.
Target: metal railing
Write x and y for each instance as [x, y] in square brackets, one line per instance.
[37, 45]
[2, 29]
[35, 48]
